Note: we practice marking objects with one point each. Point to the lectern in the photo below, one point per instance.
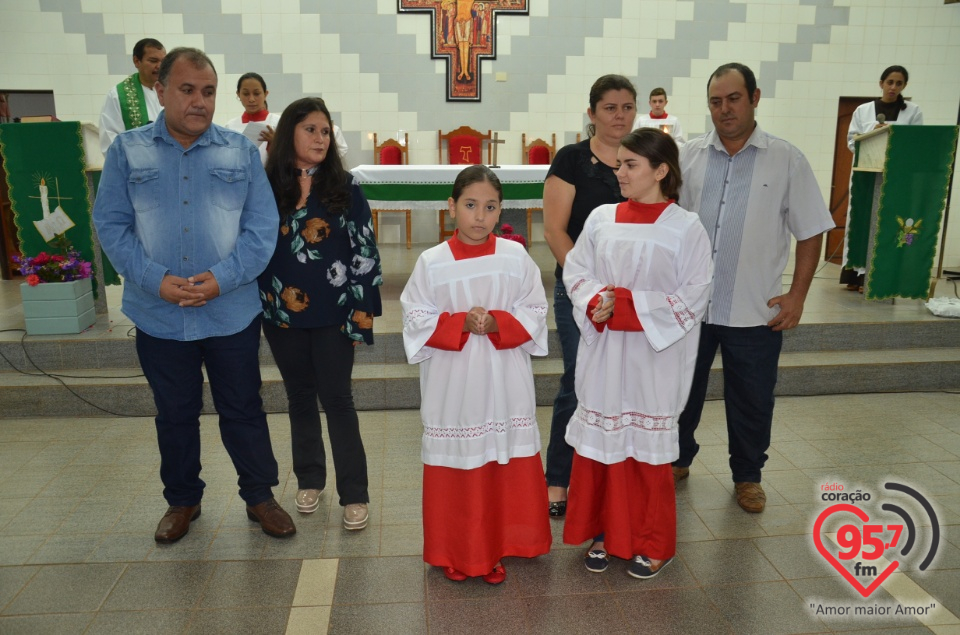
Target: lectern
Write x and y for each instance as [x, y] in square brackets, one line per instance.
[52, 171]
[898, 192]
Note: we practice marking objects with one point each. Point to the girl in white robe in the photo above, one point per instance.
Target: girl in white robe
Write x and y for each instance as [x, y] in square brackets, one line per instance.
[252, 93]
[896, 111]
[474, 311]
[651, 260]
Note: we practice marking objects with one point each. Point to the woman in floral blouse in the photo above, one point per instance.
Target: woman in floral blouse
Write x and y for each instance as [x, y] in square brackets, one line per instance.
[320, 294]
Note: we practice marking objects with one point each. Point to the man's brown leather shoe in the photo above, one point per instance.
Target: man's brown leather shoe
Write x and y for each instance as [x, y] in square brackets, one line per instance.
[175, 523]
[273, 520]
[750, 497]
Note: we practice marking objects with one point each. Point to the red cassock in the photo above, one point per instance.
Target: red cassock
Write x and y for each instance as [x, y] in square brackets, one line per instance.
[632, 503]
[472, 518]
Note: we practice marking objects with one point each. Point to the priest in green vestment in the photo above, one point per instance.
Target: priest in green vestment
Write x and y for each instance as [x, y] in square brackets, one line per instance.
[133, 102]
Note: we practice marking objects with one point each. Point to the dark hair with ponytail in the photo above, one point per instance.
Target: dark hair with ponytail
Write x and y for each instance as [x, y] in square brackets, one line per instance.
[600, 88]
[906, 80]
[476, 174]
[658, 148]
[256, 77]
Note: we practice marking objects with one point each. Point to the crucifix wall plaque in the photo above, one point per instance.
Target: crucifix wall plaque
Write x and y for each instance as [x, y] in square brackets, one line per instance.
[463, 32]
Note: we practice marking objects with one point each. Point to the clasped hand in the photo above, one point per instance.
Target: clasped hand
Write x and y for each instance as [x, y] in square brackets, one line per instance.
[604, 310]
[480, 322]
[192, 291]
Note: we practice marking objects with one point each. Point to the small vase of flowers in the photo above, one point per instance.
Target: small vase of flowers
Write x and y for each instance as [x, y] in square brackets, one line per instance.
[63, 267]
[58, 294]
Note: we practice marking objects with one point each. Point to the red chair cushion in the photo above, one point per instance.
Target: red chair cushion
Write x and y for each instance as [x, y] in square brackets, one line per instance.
[390, 155]
[539, 155]
[464, 150]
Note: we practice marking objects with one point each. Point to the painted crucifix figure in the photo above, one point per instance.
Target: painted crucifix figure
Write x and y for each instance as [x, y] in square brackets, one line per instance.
[463, 32]
[464, 35]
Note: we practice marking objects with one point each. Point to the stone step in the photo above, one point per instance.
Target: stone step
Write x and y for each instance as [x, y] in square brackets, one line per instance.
[54, 353]
[88, 392]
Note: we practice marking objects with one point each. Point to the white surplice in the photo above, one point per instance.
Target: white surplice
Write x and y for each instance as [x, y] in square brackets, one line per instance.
[237, 124]
[632, 385]
[478, 404]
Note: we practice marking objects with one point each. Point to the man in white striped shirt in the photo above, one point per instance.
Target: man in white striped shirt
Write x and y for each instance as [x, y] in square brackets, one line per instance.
[753, 192]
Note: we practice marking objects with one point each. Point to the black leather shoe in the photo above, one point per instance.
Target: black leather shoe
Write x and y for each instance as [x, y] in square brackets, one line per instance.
[558, 509]
[273, 520]
[175, 523]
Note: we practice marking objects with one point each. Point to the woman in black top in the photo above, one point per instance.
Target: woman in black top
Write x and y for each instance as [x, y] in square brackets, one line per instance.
[580, 179]
[320, 294]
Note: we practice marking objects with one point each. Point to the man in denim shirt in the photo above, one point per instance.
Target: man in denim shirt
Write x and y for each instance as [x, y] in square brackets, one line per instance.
[187, 216]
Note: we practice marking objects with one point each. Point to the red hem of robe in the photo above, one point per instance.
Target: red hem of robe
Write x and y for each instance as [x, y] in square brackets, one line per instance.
[473, 518]
[632, 503]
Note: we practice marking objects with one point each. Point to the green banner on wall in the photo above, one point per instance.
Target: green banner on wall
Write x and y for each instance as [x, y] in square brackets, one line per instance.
[47, 182]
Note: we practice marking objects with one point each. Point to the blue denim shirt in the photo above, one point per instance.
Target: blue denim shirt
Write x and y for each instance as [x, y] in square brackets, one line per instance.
[162, 209]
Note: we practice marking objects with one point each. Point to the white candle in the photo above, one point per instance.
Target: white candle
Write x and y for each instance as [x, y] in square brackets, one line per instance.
[44, 200]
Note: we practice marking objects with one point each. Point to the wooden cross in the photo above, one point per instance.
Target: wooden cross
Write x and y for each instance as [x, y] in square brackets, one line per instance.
[463, 32]
[495, 142]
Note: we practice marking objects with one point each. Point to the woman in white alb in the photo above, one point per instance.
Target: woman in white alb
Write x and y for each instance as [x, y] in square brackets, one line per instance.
[252, 93]
[894, 110]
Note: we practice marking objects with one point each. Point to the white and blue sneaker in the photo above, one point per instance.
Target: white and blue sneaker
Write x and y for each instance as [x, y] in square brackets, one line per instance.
[596, 560]
[641, 567]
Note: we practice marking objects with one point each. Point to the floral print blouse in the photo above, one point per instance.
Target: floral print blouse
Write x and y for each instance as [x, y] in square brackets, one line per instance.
[325, 270]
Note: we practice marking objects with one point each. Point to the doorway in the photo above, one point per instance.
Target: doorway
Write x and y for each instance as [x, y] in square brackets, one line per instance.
[840, 183]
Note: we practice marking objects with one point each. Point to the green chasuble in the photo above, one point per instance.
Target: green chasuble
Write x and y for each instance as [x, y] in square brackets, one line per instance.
[133, 105]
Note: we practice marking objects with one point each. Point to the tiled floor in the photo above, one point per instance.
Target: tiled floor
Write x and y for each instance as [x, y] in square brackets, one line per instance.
[79, 501]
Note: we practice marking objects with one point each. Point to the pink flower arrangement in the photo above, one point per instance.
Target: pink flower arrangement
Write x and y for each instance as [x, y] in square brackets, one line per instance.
[46, 267]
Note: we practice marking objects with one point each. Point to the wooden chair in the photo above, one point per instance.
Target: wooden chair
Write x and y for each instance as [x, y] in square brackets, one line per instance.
[537, 152]
[464, 147]
[391, 152]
